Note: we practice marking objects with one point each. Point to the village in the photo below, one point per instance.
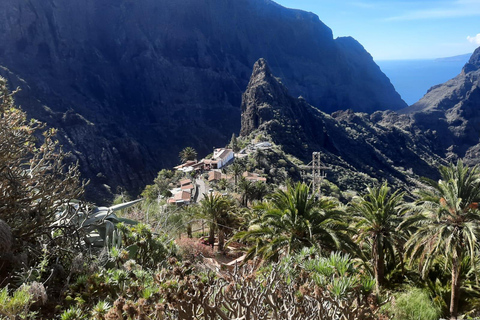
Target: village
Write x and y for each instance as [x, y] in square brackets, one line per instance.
[200, 175]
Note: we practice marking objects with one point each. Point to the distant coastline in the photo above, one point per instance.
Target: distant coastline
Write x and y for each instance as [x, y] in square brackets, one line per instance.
[412, 78]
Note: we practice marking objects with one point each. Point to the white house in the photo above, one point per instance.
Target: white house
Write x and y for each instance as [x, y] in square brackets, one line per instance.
[222, 156]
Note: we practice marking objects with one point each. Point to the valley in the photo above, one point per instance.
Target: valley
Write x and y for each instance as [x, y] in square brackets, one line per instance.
[233, 160]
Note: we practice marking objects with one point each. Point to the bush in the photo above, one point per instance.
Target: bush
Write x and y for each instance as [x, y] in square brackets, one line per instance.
[35, 180]
[16, 305]
[142, 245]
[190, 249]
[413, 304]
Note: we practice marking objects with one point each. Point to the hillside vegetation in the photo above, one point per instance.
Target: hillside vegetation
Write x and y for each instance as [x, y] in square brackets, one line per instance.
[302, 255]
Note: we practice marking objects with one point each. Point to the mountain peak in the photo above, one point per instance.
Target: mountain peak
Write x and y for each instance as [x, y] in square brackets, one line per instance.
[261, 68]
[263, 95]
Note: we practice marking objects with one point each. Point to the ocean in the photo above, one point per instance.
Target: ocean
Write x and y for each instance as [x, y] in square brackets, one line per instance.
[412, 78]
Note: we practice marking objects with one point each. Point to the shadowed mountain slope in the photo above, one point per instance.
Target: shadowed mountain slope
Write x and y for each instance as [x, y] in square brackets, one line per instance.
[452, 112]
[360, 148]
[131, 83]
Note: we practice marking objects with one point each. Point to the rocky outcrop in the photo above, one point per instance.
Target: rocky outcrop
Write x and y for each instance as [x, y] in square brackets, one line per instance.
[131, 83]
[267, 106]
[359, 148]
[452, 112]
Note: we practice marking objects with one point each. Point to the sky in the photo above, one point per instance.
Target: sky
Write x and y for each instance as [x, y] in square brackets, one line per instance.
[401, 29]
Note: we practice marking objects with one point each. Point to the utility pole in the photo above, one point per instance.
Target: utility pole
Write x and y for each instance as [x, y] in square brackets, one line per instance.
[316, 173]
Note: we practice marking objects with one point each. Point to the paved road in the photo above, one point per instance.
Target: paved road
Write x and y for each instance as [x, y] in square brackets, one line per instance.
[201, 189]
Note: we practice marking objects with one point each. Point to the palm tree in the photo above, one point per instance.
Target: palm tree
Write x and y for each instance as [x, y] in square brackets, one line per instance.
[291, 221]
[214, 207]
[222, 184]
[187, 154]
[189, 214]
[377, 215]
[448, 224]
[260, 190]
[236, 169]
[246, 189]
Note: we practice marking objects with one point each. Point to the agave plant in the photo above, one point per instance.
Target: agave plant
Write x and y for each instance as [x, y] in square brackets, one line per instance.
[98, 224]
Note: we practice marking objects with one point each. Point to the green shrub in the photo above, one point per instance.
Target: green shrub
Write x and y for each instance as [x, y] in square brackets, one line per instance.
[143, 246]
[16, 305]
[414, 304]
[74, 313]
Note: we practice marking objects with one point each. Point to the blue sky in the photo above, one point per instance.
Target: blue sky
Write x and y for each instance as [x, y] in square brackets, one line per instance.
[401, 29]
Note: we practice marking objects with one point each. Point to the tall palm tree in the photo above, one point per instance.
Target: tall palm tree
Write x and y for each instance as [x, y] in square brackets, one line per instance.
[448, 224]
[246, 189]
[214, 207]
[293, 220]
[187, 154]
[377, 216]
[236, 169]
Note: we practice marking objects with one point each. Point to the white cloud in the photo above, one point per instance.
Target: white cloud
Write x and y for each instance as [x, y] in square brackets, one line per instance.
[474, 39]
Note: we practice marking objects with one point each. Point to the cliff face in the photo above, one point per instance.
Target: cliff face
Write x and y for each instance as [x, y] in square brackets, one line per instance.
[452, 111]
[360, 148]
[131, 83]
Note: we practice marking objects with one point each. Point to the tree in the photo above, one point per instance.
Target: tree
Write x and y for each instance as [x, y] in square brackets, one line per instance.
[377, 215]
[189, 214]
[34, 178]
[161, 185]
[259, 157]
[187, 154]
[246, 189]
[260, 190]
[234, 143]
[222, 184]
[236, 169]
[214, 207]
[292, 221]
[447, 222]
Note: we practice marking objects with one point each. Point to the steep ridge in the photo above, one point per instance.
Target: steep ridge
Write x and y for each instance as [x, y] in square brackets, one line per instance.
[452, 111]
[360, 148]
[131, 83]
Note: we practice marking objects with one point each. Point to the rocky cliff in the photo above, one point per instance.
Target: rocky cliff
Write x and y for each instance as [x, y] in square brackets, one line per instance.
[131, 83]
[360, 148]
[451, 111]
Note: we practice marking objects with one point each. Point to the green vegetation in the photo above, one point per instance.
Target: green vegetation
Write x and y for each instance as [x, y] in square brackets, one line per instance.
[413, 304]
[376, 217]
[215, 208]
[35, 179]
[161, 185]
[447, 225]
[372, 256]
[187, 154]
[293, 220]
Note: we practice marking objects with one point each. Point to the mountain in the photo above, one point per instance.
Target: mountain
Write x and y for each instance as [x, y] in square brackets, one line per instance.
[452, 111]
[131, 83]
[463, 58]
[359, 148]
